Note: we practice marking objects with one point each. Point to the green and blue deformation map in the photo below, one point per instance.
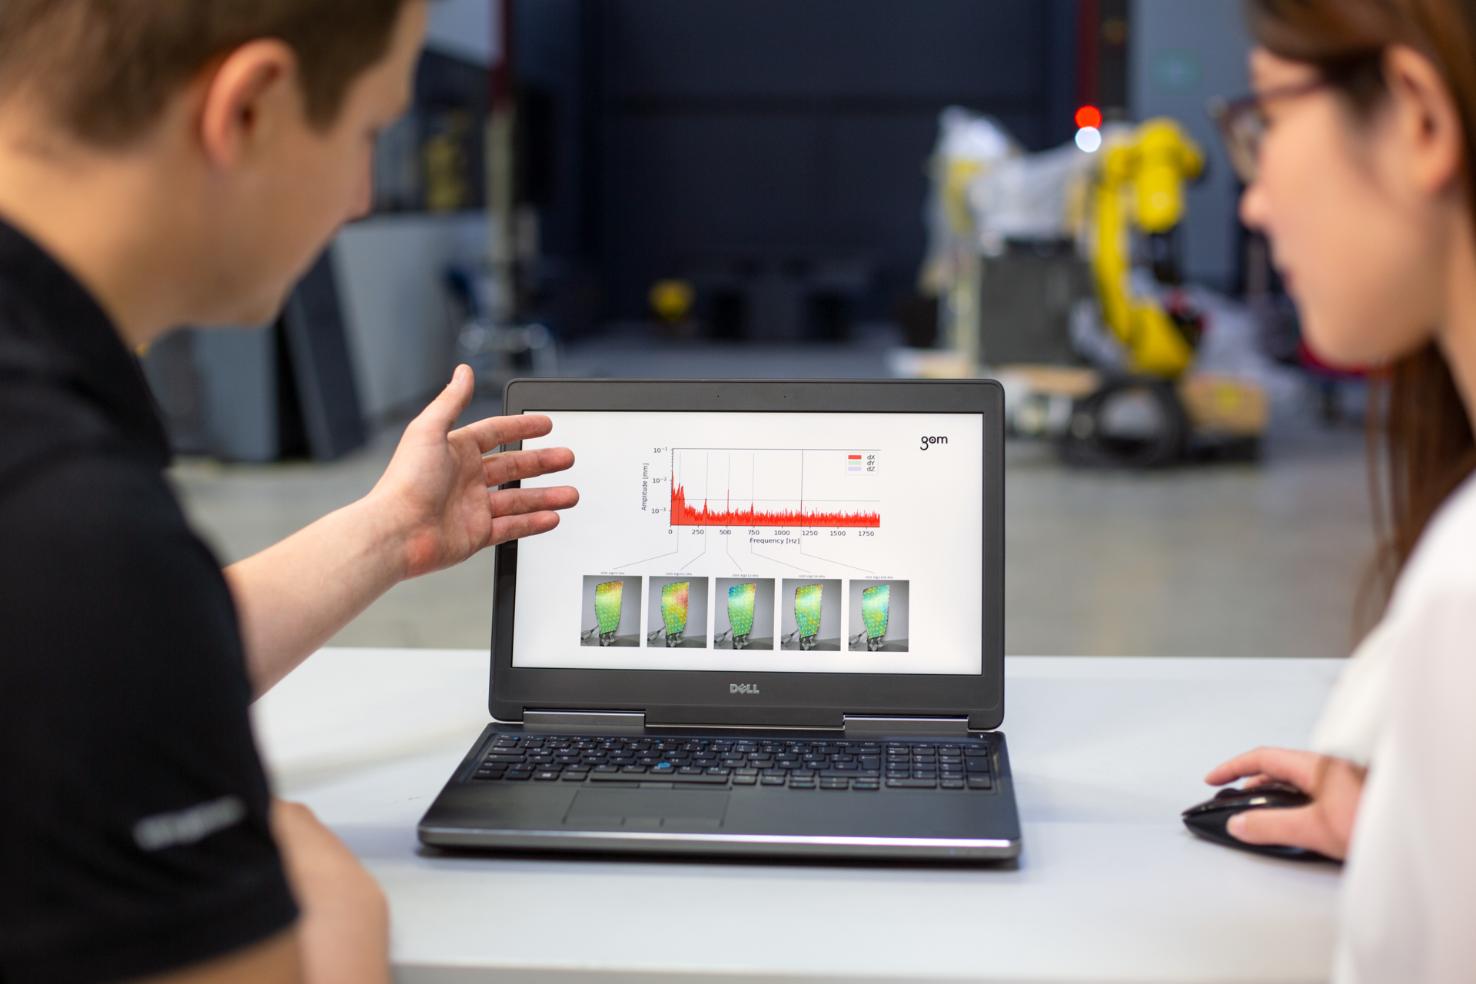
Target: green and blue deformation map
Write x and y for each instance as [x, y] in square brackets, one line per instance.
[875, 607]
[608, 598]
[674, 601]
[807, 598]
[740, 612]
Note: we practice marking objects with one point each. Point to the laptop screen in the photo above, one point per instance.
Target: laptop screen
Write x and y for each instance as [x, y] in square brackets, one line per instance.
[766, 542]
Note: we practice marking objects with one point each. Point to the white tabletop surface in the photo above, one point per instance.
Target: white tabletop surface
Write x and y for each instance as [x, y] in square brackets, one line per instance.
[1110, 886]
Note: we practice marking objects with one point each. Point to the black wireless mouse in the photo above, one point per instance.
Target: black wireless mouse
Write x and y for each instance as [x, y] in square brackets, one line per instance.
[1208, 819]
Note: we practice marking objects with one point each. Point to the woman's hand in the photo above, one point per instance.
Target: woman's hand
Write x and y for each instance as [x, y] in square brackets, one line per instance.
[440, 491]
[1325, 825]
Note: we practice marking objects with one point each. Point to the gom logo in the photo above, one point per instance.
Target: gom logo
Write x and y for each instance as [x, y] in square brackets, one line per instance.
[928, 442]
[743, 688]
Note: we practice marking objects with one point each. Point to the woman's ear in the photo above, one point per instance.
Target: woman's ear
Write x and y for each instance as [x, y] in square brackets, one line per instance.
[248, 98]
[1427, 122]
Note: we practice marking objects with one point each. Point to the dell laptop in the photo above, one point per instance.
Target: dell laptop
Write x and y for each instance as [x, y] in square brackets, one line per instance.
[772, 627]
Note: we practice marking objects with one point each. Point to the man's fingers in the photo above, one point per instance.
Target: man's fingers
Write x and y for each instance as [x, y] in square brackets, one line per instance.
[440, 415]
[491, 433]
[1292, 826]
[513, 466]
[512, 502]
[505, 528]
[1296, 767]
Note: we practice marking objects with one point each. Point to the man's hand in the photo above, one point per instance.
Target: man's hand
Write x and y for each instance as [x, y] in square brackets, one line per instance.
[437, 503]
[440, 492]
[343, 934]
[1325, 825]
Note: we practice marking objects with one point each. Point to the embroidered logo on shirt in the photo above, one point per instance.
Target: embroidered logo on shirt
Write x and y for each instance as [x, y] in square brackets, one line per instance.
[189, 825]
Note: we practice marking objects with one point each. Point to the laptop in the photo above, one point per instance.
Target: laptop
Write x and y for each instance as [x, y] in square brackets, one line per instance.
[772, 627]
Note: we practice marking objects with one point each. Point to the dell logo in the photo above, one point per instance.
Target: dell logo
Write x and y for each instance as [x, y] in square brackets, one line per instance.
[743, 688]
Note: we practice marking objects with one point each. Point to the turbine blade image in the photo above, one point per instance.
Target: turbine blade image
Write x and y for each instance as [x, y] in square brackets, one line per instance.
[875, 608]
[740, 612]
[608, 598]
[674, 600]
[807, 598]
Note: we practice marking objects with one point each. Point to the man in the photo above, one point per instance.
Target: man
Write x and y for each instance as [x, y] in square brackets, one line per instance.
[169, 162]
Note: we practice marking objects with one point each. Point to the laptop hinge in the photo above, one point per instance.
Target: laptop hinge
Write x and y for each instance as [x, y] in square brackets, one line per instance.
[875, 725]
[595, 721]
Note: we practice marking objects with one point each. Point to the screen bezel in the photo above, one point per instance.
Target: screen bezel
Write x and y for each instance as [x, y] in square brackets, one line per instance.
[695, 697]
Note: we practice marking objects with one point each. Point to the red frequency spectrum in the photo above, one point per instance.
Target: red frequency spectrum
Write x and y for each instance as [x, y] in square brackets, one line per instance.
[683, 514]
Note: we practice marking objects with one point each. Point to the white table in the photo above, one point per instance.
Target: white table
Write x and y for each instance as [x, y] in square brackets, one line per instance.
[1110, 886]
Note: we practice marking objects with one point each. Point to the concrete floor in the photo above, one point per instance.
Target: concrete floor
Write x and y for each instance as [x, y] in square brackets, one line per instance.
[1225, 560]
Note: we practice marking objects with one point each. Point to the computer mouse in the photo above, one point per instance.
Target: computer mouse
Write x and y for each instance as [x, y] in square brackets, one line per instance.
[1208, 819]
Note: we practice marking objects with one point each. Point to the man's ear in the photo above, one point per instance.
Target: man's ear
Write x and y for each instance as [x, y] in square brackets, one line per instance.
[249, 98]
[1427, 121]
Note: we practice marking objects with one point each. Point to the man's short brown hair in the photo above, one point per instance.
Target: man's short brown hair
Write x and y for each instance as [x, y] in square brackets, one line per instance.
[106, 68]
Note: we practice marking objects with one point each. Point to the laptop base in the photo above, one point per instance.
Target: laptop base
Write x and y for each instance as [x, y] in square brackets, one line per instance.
[650, 815]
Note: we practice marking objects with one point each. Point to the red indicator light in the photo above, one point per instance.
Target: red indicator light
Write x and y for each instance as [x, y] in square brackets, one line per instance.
[1088, 116]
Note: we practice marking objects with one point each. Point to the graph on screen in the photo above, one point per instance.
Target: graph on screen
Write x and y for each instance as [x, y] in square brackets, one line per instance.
[775, 487]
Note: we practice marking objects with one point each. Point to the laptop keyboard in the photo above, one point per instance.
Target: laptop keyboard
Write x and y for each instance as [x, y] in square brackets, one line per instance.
[792, 764]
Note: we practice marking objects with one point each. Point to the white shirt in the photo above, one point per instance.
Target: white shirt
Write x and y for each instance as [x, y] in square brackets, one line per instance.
[1405, 706]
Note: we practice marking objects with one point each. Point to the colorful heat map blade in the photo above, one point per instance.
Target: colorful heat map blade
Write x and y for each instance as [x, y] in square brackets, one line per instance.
[608, 596]
[807, 609]
[875, 605]
[674, 599]
[740, 607]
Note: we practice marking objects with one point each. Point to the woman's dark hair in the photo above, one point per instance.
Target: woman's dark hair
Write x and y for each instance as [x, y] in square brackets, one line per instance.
[1419, 432]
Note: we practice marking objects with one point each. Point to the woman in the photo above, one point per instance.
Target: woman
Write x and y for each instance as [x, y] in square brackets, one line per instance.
[1359, 153]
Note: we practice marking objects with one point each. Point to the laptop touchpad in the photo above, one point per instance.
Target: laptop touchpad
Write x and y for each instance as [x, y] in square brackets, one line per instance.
[648, 808]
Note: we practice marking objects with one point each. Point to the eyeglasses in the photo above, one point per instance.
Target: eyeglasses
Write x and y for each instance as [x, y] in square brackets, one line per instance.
[1243, 122]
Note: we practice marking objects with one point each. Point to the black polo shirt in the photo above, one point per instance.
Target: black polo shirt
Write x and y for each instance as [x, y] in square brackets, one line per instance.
[133, 810]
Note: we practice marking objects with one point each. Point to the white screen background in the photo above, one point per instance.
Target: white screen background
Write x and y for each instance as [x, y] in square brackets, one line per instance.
[926, 498]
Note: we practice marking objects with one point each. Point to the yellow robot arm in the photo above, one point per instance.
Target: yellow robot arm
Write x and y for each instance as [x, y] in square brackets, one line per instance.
[1142, 176]
[1167, 159]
